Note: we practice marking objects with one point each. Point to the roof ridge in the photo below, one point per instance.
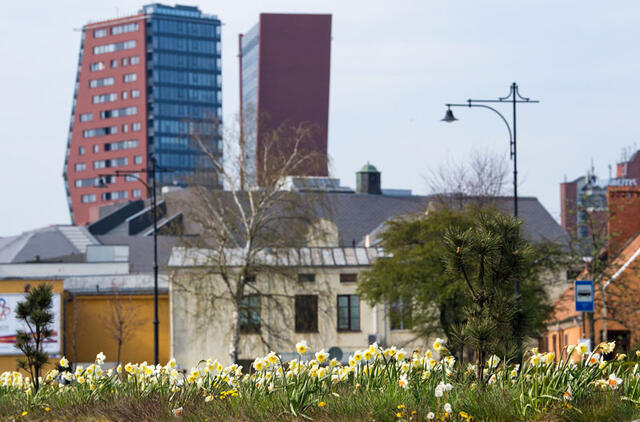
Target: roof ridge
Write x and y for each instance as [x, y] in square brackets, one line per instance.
[24, 237]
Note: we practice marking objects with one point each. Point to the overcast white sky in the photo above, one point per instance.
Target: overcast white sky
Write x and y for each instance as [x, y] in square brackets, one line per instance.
[394, 64]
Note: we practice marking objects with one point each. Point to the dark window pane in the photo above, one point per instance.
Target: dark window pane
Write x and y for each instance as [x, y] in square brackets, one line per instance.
[355, 313]
[306, 317]
[400, 314]
[307, 277]
[348, 313]
[348, 278]
[250, 314]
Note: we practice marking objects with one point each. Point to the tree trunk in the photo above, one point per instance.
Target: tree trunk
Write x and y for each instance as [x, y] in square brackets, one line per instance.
[480, 369]
[235, 333]
[74, 333]
[119, 348]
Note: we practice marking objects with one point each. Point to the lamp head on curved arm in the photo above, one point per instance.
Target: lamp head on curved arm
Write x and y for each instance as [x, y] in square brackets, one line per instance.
[448, 116]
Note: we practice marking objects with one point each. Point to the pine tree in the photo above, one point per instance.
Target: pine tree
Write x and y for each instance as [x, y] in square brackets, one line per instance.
[490, 258]
[35, 311]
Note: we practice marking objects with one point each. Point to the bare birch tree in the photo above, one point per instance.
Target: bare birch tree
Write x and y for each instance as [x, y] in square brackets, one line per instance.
[245, 229]
[482, 178]
[123, 321]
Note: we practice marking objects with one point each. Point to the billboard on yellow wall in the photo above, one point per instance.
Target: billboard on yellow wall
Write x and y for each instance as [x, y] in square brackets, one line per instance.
[9, 324]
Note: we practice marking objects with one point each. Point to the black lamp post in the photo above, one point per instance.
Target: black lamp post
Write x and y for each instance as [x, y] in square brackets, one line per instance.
[151, 172]
[514, 98]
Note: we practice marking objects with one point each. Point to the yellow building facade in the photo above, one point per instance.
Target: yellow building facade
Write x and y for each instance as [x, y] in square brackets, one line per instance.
[91, 323]
[95, 323]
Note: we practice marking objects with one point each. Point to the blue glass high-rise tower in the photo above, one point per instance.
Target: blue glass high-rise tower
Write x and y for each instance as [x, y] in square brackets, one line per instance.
[185, 99]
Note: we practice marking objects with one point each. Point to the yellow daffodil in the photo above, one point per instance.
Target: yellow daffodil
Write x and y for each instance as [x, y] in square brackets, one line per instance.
[322, 356]
[302, 347]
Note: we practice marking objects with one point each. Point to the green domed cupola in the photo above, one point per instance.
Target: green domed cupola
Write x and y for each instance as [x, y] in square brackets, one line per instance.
[368, 180]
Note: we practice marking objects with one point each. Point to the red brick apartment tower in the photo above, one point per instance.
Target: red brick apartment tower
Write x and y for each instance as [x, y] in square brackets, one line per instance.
[284, 76]
[108, 128]
[143, 83]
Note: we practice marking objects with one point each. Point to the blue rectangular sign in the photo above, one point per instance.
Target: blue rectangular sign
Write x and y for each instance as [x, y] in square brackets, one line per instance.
[583, 290]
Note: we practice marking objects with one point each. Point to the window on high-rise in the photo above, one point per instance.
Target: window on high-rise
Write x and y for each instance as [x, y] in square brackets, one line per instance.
[97, 83]
[86, 117]
[81, 151]
[134, 60]
[119, 112]
[135, 126]
[80, 167]
[109, 196]
[137, 159]
[135, 93]
[88, 198]
[99, 33]
[90, 133]
[125, 128]
[115, 162]
[114, 146]
[94, 67]
[110, 48]
[96, 148]
[114, 63]
[125, 95]
[105, 98]
[125, 61]
[121, 29]
[136, 193]
[129, 77]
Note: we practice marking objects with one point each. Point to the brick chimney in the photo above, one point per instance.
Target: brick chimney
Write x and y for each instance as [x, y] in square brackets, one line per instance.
[624, 215]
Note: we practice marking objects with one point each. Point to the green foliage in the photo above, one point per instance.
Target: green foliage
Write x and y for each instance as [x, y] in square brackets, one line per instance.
[492, 257]
[35, 312]
[417, 269]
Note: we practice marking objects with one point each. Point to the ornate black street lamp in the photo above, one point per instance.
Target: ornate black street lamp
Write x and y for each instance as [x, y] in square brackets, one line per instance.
[151, 189]
[514, 98]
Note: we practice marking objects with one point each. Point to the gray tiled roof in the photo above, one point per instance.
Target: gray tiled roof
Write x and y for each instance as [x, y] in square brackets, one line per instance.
[359, 215]
[355, 216]
[141, 250]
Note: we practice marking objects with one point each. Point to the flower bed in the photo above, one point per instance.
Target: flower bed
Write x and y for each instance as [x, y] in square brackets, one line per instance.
[376, 384]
